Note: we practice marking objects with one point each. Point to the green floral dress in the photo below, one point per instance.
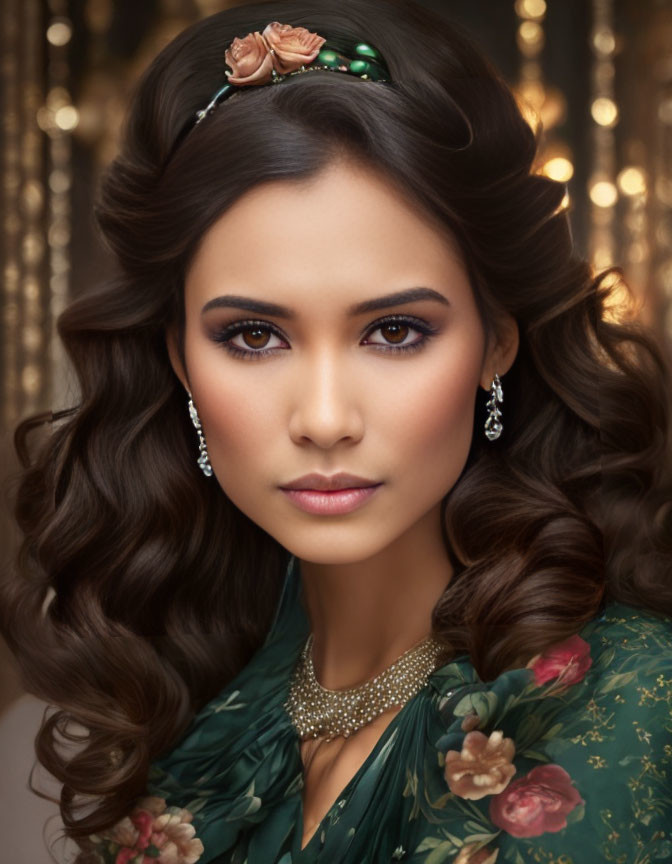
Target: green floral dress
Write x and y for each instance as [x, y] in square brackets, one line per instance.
[565, 761]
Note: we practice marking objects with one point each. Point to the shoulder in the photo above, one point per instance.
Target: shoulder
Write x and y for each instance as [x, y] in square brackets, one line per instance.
[614, 653]
[599, 737]
[570, 758]
[619, 664]
[634, 629]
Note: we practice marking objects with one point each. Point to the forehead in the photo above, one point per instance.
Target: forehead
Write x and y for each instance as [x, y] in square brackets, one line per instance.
[347, 227]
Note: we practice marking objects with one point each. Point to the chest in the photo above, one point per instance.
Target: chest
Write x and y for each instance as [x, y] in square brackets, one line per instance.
[328, 767]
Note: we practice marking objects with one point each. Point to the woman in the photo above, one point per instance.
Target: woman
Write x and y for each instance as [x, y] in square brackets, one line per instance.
[465, 655]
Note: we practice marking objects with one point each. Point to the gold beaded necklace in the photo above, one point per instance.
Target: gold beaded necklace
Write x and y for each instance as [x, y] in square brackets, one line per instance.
[315, 710]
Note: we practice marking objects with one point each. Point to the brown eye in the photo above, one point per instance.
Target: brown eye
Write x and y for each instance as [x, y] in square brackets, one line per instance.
[259, 338]
[398, 331]
[395, 331]
[252, 336]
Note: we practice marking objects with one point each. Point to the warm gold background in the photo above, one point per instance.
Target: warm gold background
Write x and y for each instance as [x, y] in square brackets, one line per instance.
[598, 73]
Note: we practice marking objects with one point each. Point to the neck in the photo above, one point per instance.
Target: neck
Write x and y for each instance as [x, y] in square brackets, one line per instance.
[364, 615]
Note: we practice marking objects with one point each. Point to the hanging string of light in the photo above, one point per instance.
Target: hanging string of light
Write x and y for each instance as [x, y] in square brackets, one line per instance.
[602, 189]
[632, 185]
[540, 103]
[625, 190]
[530, 40]
[33, 329]
[24, 327]
[662, 180]
[59, 118]
[11, 219]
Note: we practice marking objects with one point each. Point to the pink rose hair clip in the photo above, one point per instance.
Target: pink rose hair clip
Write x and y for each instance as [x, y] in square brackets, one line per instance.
[282, 50]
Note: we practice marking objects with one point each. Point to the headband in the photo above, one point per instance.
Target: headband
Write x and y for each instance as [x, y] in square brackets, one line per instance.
[282, 50]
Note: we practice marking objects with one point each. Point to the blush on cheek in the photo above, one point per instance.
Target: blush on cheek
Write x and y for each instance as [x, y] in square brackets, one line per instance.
[443, 424]
[447, 404]
[227, 410]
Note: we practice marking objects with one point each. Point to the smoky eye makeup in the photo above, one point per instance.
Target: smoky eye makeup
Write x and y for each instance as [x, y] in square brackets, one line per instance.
[224, 335]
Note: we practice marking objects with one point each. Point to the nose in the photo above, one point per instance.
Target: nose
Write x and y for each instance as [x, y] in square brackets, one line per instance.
[326, 408]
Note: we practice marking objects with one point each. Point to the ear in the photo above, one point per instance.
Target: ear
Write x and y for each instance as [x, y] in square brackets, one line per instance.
[174, 355]
[502, 350]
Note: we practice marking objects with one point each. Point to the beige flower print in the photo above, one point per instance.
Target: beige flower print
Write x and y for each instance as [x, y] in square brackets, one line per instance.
[470, 855]
[483, 767]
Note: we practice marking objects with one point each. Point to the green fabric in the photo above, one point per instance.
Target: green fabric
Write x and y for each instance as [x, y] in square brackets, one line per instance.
[596, 733]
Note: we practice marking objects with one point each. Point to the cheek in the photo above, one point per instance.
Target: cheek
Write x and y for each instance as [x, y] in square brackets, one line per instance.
[239, 424]
[236, 419]
[242, 432]
[435, 427]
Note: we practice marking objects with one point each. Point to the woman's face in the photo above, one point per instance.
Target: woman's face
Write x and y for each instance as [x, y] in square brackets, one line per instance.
[385, 392]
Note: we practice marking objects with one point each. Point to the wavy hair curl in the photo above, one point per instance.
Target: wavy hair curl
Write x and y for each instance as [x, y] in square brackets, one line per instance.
[163, 588]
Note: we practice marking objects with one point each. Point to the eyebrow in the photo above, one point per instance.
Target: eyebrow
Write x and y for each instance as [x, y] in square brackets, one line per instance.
[264, 307]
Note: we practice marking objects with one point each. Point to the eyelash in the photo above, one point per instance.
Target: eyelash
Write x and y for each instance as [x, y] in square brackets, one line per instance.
[227, 333]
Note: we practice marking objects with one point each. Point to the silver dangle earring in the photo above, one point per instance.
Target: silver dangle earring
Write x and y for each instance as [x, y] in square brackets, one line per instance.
[203, 459]
[493, 427]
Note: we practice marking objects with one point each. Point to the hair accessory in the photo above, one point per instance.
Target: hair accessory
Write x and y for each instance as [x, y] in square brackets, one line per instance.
[314, 710]
[493, 427]
[203, 459]
[281, 50]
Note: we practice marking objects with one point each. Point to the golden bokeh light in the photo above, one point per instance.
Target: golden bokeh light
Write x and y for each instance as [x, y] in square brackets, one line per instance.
[59, 32]
[534, 9]
[604, 111]
[558, 168]
[603, 193]
[631, 181]
[66, 117]
[530, 38]
[604, 41]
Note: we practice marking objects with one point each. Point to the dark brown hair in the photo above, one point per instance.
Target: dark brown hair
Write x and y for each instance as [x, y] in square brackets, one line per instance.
[164, 589]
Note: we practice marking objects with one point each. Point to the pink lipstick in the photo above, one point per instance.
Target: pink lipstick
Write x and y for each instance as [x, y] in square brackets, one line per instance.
[330, 502]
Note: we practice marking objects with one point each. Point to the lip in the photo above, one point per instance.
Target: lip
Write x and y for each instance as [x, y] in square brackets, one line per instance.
[331, 503]
[321, 482]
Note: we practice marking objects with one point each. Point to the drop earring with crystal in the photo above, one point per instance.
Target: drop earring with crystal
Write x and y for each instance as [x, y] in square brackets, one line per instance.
[203, 459]
[493, 426]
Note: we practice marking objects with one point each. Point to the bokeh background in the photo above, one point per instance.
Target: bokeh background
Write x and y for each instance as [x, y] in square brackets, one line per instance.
[593, 76]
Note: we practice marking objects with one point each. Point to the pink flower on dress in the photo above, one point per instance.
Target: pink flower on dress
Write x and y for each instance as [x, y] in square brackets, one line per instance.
[483, 767]
[536, 803]
[165, 834]
[280, 47]
[568, 661]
